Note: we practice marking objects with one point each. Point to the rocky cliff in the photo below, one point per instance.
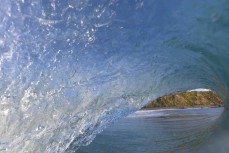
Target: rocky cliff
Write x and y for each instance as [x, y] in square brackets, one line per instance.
[188, 99]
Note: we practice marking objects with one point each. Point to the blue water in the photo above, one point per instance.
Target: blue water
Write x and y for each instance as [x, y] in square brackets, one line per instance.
[154, 131]
[68, 68]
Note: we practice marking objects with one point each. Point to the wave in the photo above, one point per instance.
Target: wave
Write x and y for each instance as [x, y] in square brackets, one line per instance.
[148, 113]
[70, 68]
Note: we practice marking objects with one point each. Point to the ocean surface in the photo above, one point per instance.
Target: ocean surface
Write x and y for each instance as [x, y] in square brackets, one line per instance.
[69, 68]
[158, 131]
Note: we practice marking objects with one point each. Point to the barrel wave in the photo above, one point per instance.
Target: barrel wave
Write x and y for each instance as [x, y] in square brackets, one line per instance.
[69, 68]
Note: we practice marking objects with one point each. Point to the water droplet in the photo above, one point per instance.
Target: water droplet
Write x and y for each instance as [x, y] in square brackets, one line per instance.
[40, 128]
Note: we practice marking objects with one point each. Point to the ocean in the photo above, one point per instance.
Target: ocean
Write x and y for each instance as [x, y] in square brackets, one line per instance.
[69, 68]
[158, 131]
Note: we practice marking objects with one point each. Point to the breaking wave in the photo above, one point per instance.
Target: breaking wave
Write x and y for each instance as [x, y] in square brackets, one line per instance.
[69, 68]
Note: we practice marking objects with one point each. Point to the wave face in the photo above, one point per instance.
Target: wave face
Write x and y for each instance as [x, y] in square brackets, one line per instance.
[69, 68]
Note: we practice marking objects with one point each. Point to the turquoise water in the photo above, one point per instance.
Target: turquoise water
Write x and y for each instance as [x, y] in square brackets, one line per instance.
[181, 130]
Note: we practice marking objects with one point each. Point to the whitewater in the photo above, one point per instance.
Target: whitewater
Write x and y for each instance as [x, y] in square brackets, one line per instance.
[70, 68]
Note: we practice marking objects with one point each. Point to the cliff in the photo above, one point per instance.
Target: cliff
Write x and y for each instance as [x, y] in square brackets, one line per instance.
[188, 99]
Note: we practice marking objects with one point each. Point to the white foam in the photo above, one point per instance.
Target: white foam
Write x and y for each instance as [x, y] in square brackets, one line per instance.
[148, 113]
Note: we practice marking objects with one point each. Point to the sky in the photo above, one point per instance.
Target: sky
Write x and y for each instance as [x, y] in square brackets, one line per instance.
[199, 89]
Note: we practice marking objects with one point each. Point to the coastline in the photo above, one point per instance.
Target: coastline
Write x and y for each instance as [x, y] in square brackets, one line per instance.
[190, 107]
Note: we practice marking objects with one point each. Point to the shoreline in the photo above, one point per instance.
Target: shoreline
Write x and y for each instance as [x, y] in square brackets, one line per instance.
[198, 107]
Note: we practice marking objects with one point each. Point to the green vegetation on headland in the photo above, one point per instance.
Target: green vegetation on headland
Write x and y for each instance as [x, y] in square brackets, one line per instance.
[187, 99]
